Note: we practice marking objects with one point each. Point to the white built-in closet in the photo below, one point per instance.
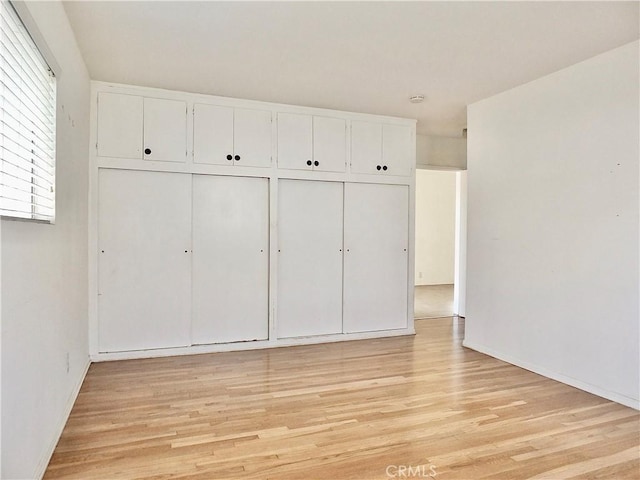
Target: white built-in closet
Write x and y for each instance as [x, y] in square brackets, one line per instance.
[223, 224]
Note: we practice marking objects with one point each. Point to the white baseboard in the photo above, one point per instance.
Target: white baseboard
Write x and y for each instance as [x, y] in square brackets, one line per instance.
[587, 387]
[62, 421]
[257, 345]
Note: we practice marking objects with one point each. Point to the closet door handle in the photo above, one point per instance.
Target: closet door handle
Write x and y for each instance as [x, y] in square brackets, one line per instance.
[316, 163]
[147, 151]
[378, 167]
[384, 168]
[309, 162]
[229, 157]
[236, 158]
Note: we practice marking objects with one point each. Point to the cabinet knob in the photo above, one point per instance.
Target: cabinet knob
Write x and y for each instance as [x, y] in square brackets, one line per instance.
[378, 167]
[147, 151]
[384, 168]
[229, 157]
[309, 162]
[236, 158]
[316, 163]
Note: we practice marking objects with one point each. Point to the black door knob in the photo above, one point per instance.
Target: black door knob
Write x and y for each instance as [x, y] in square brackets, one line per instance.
[378, 167]
[316, 163]
[237, 157]
[147, 151]
[384, 168]
[229, 157]
[309, 162]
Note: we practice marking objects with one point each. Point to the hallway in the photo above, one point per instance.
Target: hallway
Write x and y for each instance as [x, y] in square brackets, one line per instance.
[433, 301]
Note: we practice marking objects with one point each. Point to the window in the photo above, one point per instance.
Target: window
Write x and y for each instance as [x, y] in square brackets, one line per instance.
[27, 123]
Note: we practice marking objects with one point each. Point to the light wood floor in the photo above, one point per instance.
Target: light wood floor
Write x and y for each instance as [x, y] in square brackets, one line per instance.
[433, 301]
[352, 410]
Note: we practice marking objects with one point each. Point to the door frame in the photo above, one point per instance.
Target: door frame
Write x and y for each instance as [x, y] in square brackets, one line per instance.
[460, 247]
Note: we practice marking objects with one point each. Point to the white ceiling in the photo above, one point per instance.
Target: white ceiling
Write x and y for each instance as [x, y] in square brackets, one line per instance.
[357, 56]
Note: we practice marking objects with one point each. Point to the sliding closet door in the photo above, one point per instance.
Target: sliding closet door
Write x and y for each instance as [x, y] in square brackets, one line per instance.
[376, 240]
[144, 231]
[230, 259]
[309, 258]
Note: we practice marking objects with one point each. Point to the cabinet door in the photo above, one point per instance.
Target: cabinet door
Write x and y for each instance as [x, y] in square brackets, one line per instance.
[376, 240]
[212, 134]
[230, 259]
[329, 144]
[165, 130]
[366, 147]
[119, 125]
[309, 258]
[294, 141]
[252, 137]
[144, 225]
[396, 149]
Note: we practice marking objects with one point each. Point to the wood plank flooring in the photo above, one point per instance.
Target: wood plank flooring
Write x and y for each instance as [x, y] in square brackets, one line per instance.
[433, 301]
[403, 407]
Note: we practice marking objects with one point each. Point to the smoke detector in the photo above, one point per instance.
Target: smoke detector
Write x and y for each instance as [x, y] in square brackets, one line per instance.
[416, 98]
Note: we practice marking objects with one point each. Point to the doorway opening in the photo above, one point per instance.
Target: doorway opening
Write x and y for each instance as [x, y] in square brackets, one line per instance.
[440, 243]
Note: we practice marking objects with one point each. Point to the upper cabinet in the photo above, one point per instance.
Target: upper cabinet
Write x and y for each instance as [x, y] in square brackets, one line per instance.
[397, 154]
[366, 147]
[249, 134]
[308, 142]
[165, 130]
[231, 136]
[120, 125]
[130, 126]
[295, 141]
[329, 144]
[381, 148]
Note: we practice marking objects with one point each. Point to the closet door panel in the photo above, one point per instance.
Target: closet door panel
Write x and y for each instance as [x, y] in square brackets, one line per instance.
[375, 266]
[309, 258]
[230, 259]
[144, 225]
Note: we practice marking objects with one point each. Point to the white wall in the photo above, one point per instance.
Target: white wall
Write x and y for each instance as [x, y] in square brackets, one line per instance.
[448, 152]
[435, 226]
[552, 259]
[0, 350]
[44, 273]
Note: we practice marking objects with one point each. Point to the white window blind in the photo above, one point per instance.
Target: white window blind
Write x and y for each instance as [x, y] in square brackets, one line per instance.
[27, 123]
